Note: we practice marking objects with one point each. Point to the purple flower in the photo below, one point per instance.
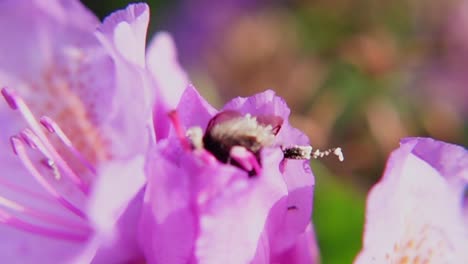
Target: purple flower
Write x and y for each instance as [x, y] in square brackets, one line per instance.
[442, 80]
[228, 194]
[417, 212]
[72, 193]
[198, 24]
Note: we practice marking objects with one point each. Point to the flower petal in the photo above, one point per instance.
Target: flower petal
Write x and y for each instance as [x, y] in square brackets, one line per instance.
[168, 221]
[265, 103]
[170, 78]
[114, 208]
[35, 32]
[399, 224]
[268, 104]
[239, 213]
[194, 110]
[304, 250]
[19, 247]
[290, 216]
[118, 183]
[448, 159]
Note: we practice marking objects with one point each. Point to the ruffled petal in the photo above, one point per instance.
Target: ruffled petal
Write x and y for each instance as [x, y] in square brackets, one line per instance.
[450, 160]
[194, 110]
[265, 103]
[123, 35]
[125, 32]
[268, 104]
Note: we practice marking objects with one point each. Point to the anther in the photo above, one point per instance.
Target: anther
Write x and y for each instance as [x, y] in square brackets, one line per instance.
[27, 136]
[9, 98]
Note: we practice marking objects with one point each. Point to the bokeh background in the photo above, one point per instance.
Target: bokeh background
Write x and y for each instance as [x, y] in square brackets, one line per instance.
[358, 74]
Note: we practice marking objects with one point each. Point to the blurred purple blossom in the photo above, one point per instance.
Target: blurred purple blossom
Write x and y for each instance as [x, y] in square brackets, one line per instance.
[198, 24]
[198, 209]
[417, 213]
[71, 194]
[444, 74]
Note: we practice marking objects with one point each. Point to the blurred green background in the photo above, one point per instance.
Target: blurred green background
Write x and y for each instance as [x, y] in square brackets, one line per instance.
[357, 74]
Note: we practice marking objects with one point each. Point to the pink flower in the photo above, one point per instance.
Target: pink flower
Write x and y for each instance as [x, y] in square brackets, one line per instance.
[228, 194]
[417, 212]
[84, 94]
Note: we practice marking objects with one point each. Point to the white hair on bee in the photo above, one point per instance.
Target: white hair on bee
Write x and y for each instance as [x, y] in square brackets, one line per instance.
[195, 135]
[244, 126]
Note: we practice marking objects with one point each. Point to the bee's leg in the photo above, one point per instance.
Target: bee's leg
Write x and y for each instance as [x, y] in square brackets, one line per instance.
[246, 159]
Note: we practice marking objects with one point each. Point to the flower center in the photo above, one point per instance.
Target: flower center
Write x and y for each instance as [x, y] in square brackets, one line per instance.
[427, 245]
[60, 91]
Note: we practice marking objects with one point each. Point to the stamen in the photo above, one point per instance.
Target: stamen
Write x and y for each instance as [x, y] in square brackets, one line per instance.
[28, 137]
[34, 142]
[21, 189]
[19, 149]
[305, 152]
[53, 219]
[53, 127]
[9, 98]
[17, 102]
[179, 128]
[9, 219]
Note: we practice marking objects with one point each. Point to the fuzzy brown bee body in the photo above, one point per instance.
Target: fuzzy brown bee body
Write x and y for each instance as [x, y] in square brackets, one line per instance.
[230, 128]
